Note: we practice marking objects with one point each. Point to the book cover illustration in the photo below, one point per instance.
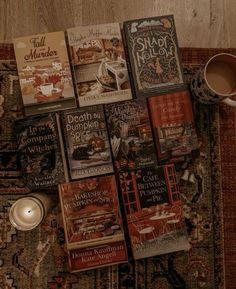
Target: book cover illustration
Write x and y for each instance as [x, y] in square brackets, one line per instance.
[153, 54]
[173, 124]
[90, 211]
[130, 134]
[87, 143]
[97, 256]
[39, 151]
[153, 211]
[44, 73]
[100, 68]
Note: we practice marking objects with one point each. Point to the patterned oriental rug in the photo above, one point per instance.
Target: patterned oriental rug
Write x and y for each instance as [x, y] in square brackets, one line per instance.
[37, 259]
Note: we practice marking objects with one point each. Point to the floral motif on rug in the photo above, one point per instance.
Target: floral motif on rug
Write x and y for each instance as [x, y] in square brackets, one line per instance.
[37, 259]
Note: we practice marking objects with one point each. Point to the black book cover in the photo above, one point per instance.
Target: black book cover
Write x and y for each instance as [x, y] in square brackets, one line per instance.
[39, 151]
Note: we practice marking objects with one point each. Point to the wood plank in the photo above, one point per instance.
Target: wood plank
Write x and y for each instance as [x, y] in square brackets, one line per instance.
[199, 23]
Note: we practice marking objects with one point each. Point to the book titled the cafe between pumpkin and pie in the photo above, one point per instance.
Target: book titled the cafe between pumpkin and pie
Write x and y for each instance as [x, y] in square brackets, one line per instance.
[92, 222]
[44, 73]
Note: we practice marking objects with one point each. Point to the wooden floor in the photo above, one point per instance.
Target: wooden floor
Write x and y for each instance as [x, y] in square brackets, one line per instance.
[199, 23]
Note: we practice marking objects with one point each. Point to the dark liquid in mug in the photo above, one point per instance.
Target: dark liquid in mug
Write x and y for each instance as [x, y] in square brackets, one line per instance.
[221, 77]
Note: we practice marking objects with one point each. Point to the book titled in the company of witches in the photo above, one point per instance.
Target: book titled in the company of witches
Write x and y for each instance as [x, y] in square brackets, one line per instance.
[44, 73]
[92, 223]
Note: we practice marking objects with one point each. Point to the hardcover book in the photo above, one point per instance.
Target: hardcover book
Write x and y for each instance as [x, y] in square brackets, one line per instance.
[99, 63]
[130, 134]
[153, 211]
[97, 256]
[86, 142]
[153, 55]
[39, 150]
[91, 216]
[44, 73]
[173, 125]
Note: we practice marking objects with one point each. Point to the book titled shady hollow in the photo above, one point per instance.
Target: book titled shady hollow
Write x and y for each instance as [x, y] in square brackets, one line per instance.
[44, 73]
[153, 55]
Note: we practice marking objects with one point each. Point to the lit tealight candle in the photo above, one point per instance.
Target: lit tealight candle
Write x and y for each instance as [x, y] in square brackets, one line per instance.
[28, 212]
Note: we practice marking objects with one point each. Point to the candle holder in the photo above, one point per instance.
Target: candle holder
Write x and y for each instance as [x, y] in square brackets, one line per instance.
[29, 211]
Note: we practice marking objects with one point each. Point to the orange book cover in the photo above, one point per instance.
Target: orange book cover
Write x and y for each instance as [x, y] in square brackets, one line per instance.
[173, 124]
[153, 211]
[91, 215]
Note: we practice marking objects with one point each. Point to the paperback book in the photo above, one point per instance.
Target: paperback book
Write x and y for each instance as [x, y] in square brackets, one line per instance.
[153, 55]
[86, 142]
[92, 222]
[130, 134]
[153, 211]
[44, 73]
[41, 158]
[173, 125]
[99, 63]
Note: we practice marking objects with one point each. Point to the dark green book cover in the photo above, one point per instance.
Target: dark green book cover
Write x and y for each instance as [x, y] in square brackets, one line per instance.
[153, 54]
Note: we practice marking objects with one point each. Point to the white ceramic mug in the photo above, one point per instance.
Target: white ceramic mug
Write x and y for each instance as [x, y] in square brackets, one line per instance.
[216, 80]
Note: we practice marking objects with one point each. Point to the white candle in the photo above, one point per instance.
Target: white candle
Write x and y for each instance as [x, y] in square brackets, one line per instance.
[26, 213]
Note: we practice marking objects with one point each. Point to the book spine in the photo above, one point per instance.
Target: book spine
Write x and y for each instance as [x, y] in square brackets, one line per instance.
[62, 147]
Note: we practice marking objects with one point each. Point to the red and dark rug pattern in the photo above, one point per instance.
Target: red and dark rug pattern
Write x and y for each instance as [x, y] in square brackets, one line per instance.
[37, 259]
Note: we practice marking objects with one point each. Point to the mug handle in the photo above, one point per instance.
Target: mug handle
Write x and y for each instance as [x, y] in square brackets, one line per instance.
[229, 102]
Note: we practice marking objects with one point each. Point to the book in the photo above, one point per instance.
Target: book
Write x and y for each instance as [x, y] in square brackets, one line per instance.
[130, 134]
[92, 222]
[153, 55]
[154, 212]
[44, 73]
[173, 125]
[86, 142]
[97, 256]
[100, 69]
[40, 154]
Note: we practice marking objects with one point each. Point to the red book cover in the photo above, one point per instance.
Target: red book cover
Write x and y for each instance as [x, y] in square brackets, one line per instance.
[173, 124]
[153, 211]
[98, 256]
[90, 211]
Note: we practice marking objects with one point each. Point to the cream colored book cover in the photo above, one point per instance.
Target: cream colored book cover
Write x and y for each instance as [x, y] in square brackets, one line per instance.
[99, 63]
[44, 73]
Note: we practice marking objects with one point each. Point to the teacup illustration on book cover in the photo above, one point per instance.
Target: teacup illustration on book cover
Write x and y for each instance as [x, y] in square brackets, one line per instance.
[44, 71]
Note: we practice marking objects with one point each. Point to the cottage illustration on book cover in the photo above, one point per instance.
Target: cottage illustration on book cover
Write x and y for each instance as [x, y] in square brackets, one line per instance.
[87, 144]
[44, 73]
[173, 124]
[39, 151]
[154, 211]
[153, 54]
[130, 134]
[90, 211]
[99, 63]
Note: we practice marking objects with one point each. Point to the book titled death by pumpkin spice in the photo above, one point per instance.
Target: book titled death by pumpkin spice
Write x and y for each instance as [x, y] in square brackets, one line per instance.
[86, 141]
[44, 73]
[153, 54]
[92, 222]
